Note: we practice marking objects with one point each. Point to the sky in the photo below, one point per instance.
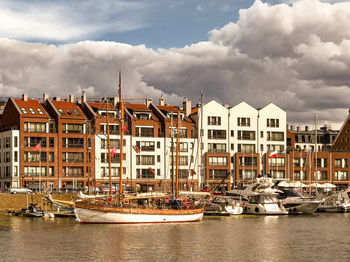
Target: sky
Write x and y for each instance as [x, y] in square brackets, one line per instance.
[295, 54]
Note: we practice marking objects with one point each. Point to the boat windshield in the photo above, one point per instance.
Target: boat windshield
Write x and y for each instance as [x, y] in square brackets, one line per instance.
[291, 193]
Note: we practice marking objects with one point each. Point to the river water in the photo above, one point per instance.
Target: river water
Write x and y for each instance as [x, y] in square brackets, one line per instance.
[322, 237]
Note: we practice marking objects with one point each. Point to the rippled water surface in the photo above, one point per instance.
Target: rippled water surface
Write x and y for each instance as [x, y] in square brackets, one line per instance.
[323, 237]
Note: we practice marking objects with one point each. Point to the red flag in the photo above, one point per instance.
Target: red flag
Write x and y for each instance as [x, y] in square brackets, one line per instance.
[273, 154]
[37, 147]
[124, 128]
[113, 151]
[136, 149]
[151, 169]
[193, 172]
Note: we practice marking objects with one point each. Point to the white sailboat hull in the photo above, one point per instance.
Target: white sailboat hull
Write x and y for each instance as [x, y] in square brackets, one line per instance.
[88, 216]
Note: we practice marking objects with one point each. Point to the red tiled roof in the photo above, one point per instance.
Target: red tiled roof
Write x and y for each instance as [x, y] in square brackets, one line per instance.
[137, 107]
[194, 110]
[101, 105]
[32, 104]
[168, 108]
[69, 109]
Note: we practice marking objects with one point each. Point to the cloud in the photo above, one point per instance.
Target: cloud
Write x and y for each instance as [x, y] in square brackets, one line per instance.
[69, 20]
[294, 55]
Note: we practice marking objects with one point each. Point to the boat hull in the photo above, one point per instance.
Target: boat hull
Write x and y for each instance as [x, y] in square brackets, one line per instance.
[89, 216]
[306, 207]
[264, 209]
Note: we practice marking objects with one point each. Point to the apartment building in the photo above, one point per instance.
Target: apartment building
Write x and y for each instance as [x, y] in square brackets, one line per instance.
[218, 145]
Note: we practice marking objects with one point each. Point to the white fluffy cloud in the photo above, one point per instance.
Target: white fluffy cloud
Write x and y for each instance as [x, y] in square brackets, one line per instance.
[295, 55]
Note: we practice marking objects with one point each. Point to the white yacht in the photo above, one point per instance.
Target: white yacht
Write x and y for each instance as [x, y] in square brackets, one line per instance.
[296, 203]
[260, 198]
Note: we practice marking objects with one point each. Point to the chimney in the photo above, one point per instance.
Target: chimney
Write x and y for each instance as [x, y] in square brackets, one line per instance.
[161, 100]
[307, 128]
[57, 98]
[71, 98]
[24, 97]
[292, 127]
[115, 101]
[298, 128]
[187, 106]
[148, 101]
[83, 96]
[45, 97]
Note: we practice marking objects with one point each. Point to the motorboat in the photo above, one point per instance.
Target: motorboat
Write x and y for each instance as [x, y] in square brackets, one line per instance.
[335, 203]
[31, 211]
[296, 203]
[224, 206]
[260, 198]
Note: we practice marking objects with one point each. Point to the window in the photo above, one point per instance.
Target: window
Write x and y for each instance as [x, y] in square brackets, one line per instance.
[247, 174]
[341, 163]
[299, 175]
[243, 121]
[232, 146]
[51, 142]
[143, 116]
[51, 157]
[34, 157]
[31, 127]
[232, 133]
[270, 122]
[275, 136]
[217, 148]
[69, 112]
[34, 171]
[145, 145]
[51, 171]
[183, 147]
[246, 135]
[246, 148]
[214, 120]
[218, 174]
[24, 110]
[248, 161]
[33, 141]
[39, 111]
[216, 134]
[72, 157]
[73, 171]
[341, 175]
[73, 142]
[144, 160]
[158, 158]
[217, 161]
[262, 134]
[322, 175]
[61, 111]
[16, 156]
[145, 173]
[112, 143]
[15, 141]
[271, 148]
[277, 161]
[72, 128]
[32, 111]
[144, 131]
[158, 144]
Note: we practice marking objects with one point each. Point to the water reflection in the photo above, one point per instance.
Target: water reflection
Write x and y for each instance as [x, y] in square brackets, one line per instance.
[240, 238]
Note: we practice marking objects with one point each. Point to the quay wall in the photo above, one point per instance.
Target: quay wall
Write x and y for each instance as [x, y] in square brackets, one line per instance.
[19, 201]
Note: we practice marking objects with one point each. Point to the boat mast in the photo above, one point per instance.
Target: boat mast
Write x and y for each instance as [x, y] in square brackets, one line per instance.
[172, 155]
[121, 139]
[177, 155]
[109, 151]
[316, 151]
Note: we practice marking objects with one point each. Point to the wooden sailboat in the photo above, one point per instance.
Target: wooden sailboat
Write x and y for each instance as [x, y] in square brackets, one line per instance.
[119, 209]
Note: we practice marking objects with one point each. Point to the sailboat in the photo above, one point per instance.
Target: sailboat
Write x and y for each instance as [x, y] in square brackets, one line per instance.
[121, 209]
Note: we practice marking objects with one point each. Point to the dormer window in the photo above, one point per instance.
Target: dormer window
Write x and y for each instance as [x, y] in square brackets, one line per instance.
[142, 116]
[69, 112]
[24, 110]
[76, 112]
[39, 111]
[61, 111]
[32, 111]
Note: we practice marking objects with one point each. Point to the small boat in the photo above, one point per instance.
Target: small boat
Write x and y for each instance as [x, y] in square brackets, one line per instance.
[31, 211]
[335, 203]
[223, 206]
